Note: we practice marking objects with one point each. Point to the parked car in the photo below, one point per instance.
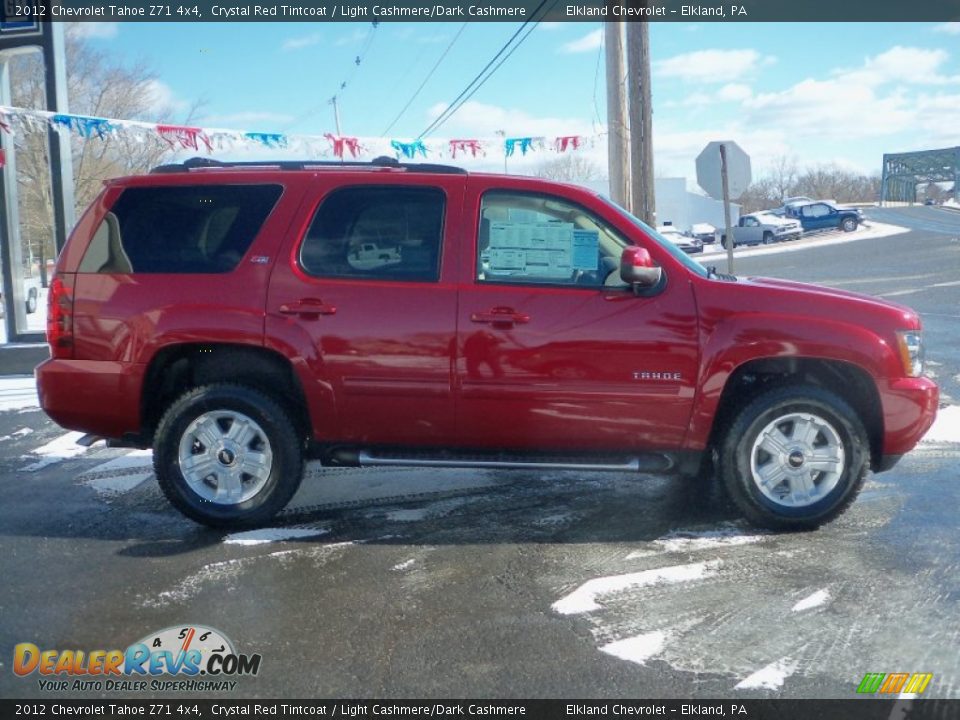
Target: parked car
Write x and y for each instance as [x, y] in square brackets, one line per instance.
[31, 296]
[765, 228]
[824, 216]
[704, 232]
[686, 243]
[208, 310]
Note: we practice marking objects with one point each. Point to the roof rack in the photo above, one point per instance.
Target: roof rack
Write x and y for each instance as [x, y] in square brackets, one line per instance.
[384, 161]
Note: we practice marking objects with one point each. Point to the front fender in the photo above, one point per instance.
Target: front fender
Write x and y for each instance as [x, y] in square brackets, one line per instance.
[742, 338]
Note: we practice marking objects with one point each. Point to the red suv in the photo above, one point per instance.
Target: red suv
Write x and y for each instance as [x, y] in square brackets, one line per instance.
[240, 318]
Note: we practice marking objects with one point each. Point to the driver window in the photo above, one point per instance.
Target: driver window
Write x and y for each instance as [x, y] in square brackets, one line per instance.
[537, 239]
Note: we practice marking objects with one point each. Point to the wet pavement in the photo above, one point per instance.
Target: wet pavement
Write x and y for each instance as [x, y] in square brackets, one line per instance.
[429, 583]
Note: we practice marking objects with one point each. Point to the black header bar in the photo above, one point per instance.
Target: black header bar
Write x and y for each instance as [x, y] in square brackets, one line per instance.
[709, 11]
[457, 709]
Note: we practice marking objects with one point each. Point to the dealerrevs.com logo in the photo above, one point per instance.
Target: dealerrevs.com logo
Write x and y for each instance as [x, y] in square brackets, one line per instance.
[180, 658]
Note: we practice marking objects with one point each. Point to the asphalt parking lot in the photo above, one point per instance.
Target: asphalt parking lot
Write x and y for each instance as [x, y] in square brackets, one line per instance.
[419, 583]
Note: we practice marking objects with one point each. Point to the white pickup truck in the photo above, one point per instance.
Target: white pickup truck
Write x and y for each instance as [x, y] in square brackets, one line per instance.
[31, 295]
[763, 228]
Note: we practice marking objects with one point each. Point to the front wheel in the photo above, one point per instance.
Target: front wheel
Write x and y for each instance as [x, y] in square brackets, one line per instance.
[794, 457]
[227, 456]
[848, 224]
[767, 238]
[31, 302]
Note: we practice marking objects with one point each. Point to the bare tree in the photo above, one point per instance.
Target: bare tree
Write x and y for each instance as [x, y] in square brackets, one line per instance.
[783, 176]
[570, 168]
[97, 86]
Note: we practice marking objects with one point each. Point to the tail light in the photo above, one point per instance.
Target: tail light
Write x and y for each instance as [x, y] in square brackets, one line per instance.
[60, 317]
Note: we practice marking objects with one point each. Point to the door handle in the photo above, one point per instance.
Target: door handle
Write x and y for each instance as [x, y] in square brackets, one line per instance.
[500, 316]
[308, 307]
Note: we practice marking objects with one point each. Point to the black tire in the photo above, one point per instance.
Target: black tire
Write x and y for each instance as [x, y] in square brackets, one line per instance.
[767, 238]
[31, 302]
[723, 242]
[283, 474]
[848, 224]
[737, 449]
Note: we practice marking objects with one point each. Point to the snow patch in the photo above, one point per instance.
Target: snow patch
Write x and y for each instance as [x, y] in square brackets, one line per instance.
[770, 677]
[637, 649]
[57, 450]
[407, 515]
[268, 535]
[18, 392]
[404, 565]
[224, 571]
[811, 601]
[584, 598]
[869, 231]
[689, 541]
[946, 428]
[437, 509]
[557, 519]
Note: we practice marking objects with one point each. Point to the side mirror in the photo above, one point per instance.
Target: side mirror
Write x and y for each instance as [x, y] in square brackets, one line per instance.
[637, 268]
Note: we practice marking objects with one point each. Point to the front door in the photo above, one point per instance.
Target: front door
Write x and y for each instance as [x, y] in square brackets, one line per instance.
[553, 351]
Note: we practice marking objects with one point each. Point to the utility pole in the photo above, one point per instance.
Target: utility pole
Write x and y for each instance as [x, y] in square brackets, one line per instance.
[336, 114]
[618, 150]
[641, 122]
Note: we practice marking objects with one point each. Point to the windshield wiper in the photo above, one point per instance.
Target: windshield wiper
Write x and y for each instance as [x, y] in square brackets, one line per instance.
[712, 273]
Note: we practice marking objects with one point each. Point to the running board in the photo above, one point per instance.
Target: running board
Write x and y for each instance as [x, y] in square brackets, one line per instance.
[657, 463]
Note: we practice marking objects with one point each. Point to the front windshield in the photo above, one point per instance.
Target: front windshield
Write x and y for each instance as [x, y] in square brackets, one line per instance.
[657, 237]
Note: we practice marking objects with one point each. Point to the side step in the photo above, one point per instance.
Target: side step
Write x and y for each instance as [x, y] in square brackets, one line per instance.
[652, 463]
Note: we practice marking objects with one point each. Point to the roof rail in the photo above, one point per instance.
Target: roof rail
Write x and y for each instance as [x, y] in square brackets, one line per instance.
[201, 163]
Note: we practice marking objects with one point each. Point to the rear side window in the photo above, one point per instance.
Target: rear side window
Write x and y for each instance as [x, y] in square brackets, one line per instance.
[183, 229]
[390, 233]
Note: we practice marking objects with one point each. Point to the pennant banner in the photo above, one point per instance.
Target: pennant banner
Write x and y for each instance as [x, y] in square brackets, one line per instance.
[271, 140]
[471, 146]
[565, 142]
[526, 144]
[328, 145]
[187, 137]
[339, 143]
[409, 150]
[84, 126]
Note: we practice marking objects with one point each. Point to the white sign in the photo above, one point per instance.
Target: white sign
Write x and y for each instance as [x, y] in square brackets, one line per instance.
[738, 170]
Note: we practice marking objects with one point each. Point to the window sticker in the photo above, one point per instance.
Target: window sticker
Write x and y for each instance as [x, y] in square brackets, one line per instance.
[586, 249]
[542, 249]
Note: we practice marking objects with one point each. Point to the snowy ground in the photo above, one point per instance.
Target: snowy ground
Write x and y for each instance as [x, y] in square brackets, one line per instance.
[868, 231]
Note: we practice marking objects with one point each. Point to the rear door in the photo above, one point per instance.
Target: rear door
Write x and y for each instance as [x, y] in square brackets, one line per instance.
[363, 297]
[554, 352]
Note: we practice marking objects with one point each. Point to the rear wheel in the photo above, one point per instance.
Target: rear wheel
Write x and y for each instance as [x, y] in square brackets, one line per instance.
[227, 456]
[31, 301]
[794, 457]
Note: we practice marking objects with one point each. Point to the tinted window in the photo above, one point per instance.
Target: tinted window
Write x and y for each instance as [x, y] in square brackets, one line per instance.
[526, 238]
[376, 232]
[184, 229]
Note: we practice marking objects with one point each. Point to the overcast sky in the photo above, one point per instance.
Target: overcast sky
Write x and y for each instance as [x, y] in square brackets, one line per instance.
[835, 92]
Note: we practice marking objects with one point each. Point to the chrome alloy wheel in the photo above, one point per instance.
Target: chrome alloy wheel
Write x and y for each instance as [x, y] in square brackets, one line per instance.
[797, 460]
[225, 457]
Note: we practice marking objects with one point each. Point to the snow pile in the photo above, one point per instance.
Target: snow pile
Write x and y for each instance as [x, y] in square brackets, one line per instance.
[584, 598]
[946, 428]
[18, 392]
[57, 450]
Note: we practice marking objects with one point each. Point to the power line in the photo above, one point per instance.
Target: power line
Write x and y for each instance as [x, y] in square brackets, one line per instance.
[470, 89]
[367, 42]
[425, 80]
[596, 82]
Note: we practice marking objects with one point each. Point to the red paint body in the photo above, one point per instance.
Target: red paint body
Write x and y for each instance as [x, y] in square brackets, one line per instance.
[457, 363]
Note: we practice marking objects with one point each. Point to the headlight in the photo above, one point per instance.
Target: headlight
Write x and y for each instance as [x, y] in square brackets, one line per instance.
[911, 352]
